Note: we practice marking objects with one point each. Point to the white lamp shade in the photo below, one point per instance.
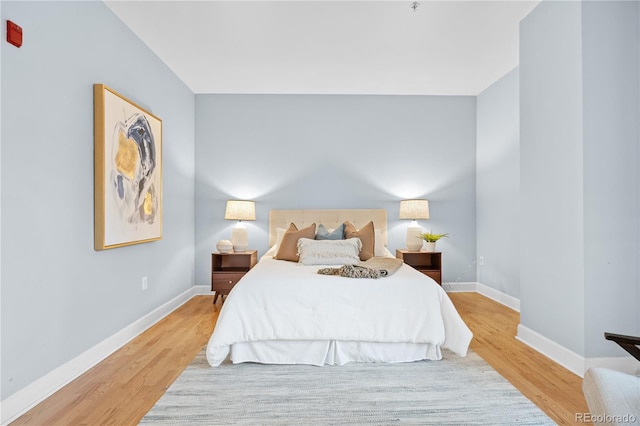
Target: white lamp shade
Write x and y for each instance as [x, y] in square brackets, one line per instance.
[414, 209]
[240, 210]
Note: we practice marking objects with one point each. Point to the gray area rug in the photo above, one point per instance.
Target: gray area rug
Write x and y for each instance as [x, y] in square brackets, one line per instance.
[453, 391]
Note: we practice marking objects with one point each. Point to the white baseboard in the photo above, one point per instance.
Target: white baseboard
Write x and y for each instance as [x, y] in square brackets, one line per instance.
[627, 364]
[460, 287]
[570, 360]
[201, 290]
[28, 397]
[552, 350]
[500, 297]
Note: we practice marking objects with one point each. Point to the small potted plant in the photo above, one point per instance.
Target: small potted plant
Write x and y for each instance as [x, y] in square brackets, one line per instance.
[430, 240]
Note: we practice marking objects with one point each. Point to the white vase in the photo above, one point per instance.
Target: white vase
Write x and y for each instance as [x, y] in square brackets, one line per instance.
[224, 246]
[430, 247]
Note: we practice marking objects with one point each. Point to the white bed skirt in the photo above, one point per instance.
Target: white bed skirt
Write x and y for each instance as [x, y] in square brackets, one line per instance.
[330, 352]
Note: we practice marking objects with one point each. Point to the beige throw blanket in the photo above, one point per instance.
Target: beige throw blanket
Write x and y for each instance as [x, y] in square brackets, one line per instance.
[376, 267]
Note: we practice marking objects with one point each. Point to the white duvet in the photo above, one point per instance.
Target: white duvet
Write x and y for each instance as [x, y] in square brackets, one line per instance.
[280, 300]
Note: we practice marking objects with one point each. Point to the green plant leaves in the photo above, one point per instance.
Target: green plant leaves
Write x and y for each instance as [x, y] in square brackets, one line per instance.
[432, 238]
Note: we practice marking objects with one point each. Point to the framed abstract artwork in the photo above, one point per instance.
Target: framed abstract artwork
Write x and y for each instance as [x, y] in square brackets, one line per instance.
[127, 171]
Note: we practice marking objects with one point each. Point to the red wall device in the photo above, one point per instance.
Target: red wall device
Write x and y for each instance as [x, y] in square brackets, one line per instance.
[14, 34]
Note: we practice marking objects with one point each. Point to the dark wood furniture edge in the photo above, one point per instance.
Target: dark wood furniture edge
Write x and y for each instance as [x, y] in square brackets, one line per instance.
[433, 272]
[628, 343]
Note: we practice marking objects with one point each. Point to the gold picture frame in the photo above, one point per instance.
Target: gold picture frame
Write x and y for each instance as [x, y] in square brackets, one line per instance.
[127, 171]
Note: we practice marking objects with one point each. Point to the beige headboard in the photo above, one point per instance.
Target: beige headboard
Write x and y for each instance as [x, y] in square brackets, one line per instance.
[329, 218]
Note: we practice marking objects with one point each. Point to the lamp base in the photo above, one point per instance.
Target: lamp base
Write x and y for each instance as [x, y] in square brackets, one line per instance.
[239, 238]
[414, 242]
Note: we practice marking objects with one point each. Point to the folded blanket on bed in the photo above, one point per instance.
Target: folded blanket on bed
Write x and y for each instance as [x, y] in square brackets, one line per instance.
[376, 267]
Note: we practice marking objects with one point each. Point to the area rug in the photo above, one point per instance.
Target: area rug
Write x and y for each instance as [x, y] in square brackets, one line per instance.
[453, 391]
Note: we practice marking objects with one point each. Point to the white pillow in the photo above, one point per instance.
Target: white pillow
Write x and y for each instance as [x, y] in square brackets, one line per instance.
[379, 247]
[271, 252]
[279, 234]
[387, 253]
[329, 252]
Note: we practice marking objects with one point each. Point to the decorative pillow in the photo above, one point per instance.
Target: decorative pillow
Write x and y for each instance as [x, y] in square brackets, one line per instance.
[288, 248]
[329, 252]
[274, 248]
[327, 234]
[366, 235]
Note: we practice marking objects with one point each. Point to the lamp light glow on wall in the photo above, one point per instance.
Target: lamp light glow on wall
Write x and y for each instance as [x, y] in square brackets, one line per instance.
[240, 210]
[414, 210]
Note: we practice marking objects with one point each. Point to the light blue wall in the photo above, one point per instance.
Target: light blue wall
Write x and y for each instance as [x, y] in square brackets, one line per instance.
[498, 185]
[611, 60]
[551, 174]
[59, 296]
[337, 152]
[580, 153]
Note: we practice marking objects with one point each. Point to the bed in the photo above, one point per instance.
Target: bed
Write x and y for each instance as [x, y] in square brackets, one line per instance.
[285, 312]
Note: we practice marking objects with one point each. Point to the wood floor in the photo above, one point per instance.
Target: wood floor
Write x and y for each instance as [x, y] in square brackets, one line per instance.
[121, 389]
[553, 388]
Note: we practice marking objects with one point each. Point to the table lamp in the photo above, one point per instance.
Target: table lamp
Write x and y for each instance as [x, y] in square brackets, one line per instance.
[414, 210]
[240, 210]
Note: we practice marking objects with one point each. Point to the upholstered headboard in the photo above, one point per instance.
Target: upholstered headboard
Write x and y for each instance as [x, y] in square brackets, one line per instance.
[329, 218]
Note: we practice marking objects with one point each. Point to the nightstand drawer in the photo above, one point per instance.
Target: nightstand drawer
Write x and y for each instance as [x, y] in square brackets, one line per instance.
[228, 268]
[225, 280]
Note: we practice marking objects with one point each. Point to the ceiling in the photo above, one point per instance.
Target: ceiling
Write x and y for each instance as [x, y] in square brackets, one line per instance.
[446, 47]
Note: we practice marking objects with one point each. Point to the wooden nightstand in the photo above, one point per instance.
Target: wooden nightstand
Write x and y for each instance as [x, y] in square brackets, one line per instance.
[228, 268]
[428, 263]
